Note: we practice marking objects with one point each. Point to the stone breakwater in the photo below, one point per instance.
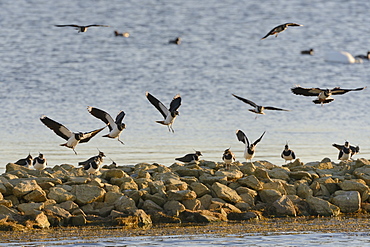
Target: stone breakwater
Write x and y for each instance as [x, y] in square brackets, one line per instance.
[144, 194]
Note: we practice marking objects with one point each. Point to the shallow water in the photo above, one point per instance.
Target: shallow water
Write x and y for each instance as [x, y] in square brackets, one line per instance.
[273, 239]
[58, 72]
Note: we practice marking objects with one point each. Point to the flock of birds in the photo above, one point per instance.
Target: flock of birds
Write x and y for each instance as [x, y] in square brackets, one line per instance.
[116, 126]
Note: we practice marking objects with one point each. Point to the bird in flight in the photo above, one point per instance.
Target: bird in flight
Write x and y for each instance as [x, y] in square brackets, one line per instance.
[170, 114]
[249, 151]
[81, 29]
[115, 126]
[276, 30]
[72, 138]
[323, 95]
[258, 109]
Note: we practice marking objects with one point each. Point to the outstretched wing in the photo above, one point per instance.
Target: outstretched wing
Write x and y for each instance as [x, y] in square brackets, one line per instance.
[58, 128]
[88, 135]
[175, 103]
[274, 108]
[242, 137]
[293, 24]
[119, 117]
[102, 115]
[273, 31]
[68, 25]
[259, 139]
[339, 147]
[246, 101]
[306, 91]
[338, 90]
[157, 104]
[95, 25]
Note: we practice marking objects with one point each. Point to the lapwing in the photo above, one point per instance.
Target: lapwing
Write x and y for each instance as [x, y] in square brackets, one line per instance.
[323, 95]
[39, 163]
[276, 30]
[176, 41]
[307, 52]
[249, 151]
[190, 157]
[228, 157]
[115, 126]
[25, 162]
[353, 149]
[287, 153]
[93, 166]
[170, 114]
[100, 156]
[258, 109]
[81, 29]
[72, 138]
[125, 34]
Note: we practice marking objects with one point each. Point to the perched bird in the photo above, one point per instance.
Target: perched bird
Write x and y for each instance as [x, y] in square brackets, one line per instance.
[93, 166]
[345, 152]
[354, 150]
[25, 162]
[72, 138]
[228, 157]
[39, 163]
[276, 30]
[100, 156]
[307, 52]
[366, 57]
[115, 126]
[287, 153]
[81, 29]
[126, 34]
[257, 108]
[323, 95]
[168, 114]
[249, 151]
[190, 157]
[176, 41]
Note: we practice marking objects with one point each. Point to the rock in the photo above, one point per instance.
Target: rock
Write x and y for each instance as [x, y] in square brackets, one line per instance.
[321, 207]
[243, 206]
[58, 211]
[262, 174]
[41, 220]
[320, 190]
[111, 197]
[230, 175]
[36, 196]
[87, 193]
[279, 186]
[70, 206]
[329, 183]
[347, 201]
[173, 208]
[247, 198]
[201, 216]
[192, 204]
[357, 185]
[174, 184]
[248, 168]
[30, 208]
[304, 191]
[125, 204]
[157, 198]
[157, 187]
[6, 203]
[76, 180]
[243, 216]
[113, 173]
[252, 182]
[200, 189]
[151, 207]
[226, 193]
[363, 172]
[279, 173]
[205, 201]
[209, 179]
[283, 207]
[60, 194]
[185, 171]
[181, 195]
[269, 195]
[78, 220]
[298, 175]
[24, 187]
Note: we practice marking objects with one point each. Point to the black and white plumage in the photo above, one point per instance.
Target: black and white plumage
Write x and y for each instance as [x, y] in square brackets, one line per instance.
[39, 163]
[190, 157]
[258, 108]
[287, 154]
[72, 138]
[125, 34]
[81, 29]
[343, 150]
[366, 57]
[176, 41]
[115, 126]
[323, 95]
[276, 30]
[249, 150]
[93, 166]
[100, 156]
[170, 114]
[25, 162]
[228, 157]
[307, 52]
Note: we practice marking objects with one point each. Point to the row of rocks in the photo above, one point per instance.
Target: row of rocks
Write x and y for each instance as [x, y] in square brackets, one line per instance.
[196, 192]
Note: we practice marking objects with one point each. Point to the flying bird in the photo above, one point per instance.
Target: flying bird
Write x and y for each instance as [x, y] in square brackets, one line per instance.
[39, 163]
[323, 95]
[287, 153]
[170, 114]
[257, 108]
[353, 150]
[25, 162]
[190, 157]
[228, 157]
[81, 29]
[115, 126]
[72, 138]
[249, 151]
[276, 30]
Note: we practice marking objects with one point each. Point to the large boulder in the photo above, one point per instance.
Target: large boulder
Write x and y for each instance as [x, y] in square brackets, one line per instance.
[224, 192]
[269, 195]
[200, 189]
[180, 195]
[347, 201]
[251, 181]
[322, 207]
[87, 193]
[24, 187]
[60, 194]
[283, 207]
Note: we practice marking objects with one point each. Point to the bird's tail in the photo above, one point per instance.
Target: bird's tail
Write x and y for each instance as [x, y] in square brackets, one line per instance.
[161, 122]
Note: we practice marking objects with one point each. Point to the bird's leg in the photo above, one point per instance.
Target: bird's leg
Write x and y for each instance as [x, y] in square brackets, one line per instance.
[74, 151]
[173, 131]
[120, 141]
